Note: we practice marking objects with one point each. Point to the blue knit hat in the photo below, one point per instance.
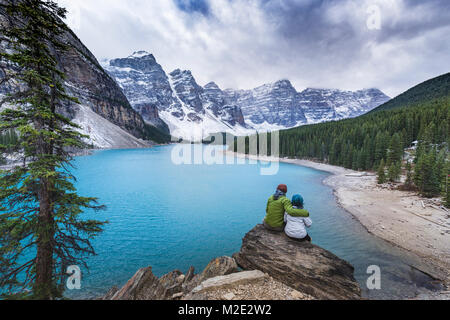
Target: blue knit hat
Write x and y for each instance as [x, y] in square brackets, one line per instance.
[297, 200]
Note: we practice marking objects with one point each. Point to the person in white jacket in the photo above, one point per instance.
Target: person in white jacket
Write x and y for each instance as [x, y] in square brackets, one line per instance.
[296, 226]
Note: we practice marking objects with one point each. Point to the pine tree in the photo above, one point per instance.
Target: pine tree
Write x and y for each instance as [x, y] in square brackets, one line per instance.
[418, 172]
[381, 173]
[395, 152]
[409, 176]
[426, 174]
[355, 161]
[39, 206]
[398, 170]
[394, 172]
[445, 184]
[380, 148]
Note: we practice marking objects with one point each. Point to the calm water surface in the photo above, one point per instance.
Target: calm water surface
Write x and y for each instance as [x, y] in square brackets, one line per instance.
[173, 217]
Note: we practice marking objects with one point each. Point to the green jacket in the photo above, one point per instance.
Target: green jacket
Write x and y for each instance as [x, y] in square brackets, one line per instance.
[276, 208]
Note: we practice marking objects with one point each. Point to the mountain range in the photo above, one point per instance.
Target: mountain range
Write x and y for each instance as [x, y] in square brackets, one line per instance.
[176, 103]
[132, 102]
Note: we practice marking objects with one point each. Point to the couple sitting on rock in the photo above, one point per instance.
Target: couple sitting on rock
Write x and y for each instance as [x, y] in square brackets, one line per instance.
[284, 215]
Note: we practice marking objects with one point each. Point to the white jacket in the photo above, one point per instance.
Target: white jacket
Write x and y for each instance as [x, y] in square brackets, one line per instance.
[296, 226]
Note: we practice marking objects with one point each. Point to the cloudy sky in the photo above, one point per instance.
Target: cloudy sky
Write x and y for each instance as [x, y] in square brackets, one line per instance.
[345, 44]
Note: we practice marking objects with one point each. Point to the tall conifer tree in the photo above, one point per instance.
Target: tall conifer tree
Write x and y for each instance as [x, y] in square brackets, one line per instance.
[381, 173]
[39, 206]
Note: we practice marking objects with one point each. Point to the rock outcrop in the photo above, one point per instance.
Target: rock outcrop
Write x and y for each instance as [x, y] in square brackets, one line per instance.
[219, 266]
[245, 285]
[300, 265]
[274, 267]
[220, 280]
[230, 280]
[144, 285]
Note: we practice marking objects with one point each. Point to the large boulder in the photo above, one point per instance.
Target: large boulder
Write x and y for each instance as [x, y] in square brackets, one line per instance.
[144, 285]
[219, 267]
[300, 265]
[245, 285]
[230, 280]
[136, 287]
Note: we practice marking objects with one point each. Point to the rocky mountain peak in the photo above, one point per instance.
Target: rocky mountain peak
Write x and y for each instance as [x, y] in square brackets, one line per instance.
[370, 90]
[186, 74]
[284, 83]
[139, 61]
[142, 54]
[187, 90]
[211, 86]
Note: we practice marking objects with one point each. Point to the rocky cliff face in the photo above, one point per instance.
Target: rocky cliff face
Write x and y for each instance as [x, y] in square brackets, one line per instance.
[327, 104]
[193, 111]
[215, 100]
[270, 106]
[302, 266]
[146, 97]
[96, 90]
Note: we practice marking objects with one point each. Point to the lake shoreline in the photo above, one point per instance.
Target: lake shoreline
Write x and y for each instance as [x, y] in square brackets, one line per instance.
[394, 216]
[84, 152]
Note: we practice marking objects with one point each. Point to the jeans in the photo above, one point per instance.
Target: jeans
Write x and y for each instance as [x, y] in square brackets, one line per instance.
[276, 229]
[307, 238]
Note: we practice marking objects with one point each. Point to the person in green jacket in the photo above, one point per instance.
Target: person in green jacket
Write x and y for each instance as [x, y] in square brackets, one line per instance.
[277, 205]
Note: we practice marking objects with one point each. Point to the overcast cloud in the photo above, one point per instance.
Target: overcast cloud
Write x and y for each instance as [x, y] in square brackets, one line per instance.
[245, 43]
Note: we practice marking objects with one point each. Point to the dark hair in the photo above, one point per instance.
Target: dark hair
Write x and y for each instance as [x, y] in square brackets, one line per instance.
[297, 200]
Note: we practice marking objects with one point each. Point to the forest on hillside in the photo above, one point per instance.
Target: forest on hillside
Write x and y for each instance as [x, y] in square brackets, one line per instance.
[377, 142]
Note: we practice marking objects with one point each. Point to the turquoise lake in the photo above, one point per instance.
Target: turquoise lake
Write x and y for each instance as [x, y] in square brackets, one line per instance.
[175, 216]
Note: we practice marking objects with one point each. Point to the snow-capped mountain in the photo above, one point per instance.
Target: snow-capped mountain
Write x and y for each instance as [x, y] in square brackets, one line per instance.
[330, 104]
[145, 84]
[193, 112]
[279, 106]
[270, 107]
[189, 110]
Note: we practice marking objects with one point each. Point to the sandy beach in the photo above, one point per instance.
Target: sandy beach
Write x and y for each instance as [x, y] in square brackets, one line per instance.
[395, 216]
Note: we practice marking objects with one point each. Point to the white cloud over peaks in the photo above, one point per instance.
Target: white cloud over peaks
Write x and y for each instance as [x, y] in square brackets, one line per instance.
[245, 43]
